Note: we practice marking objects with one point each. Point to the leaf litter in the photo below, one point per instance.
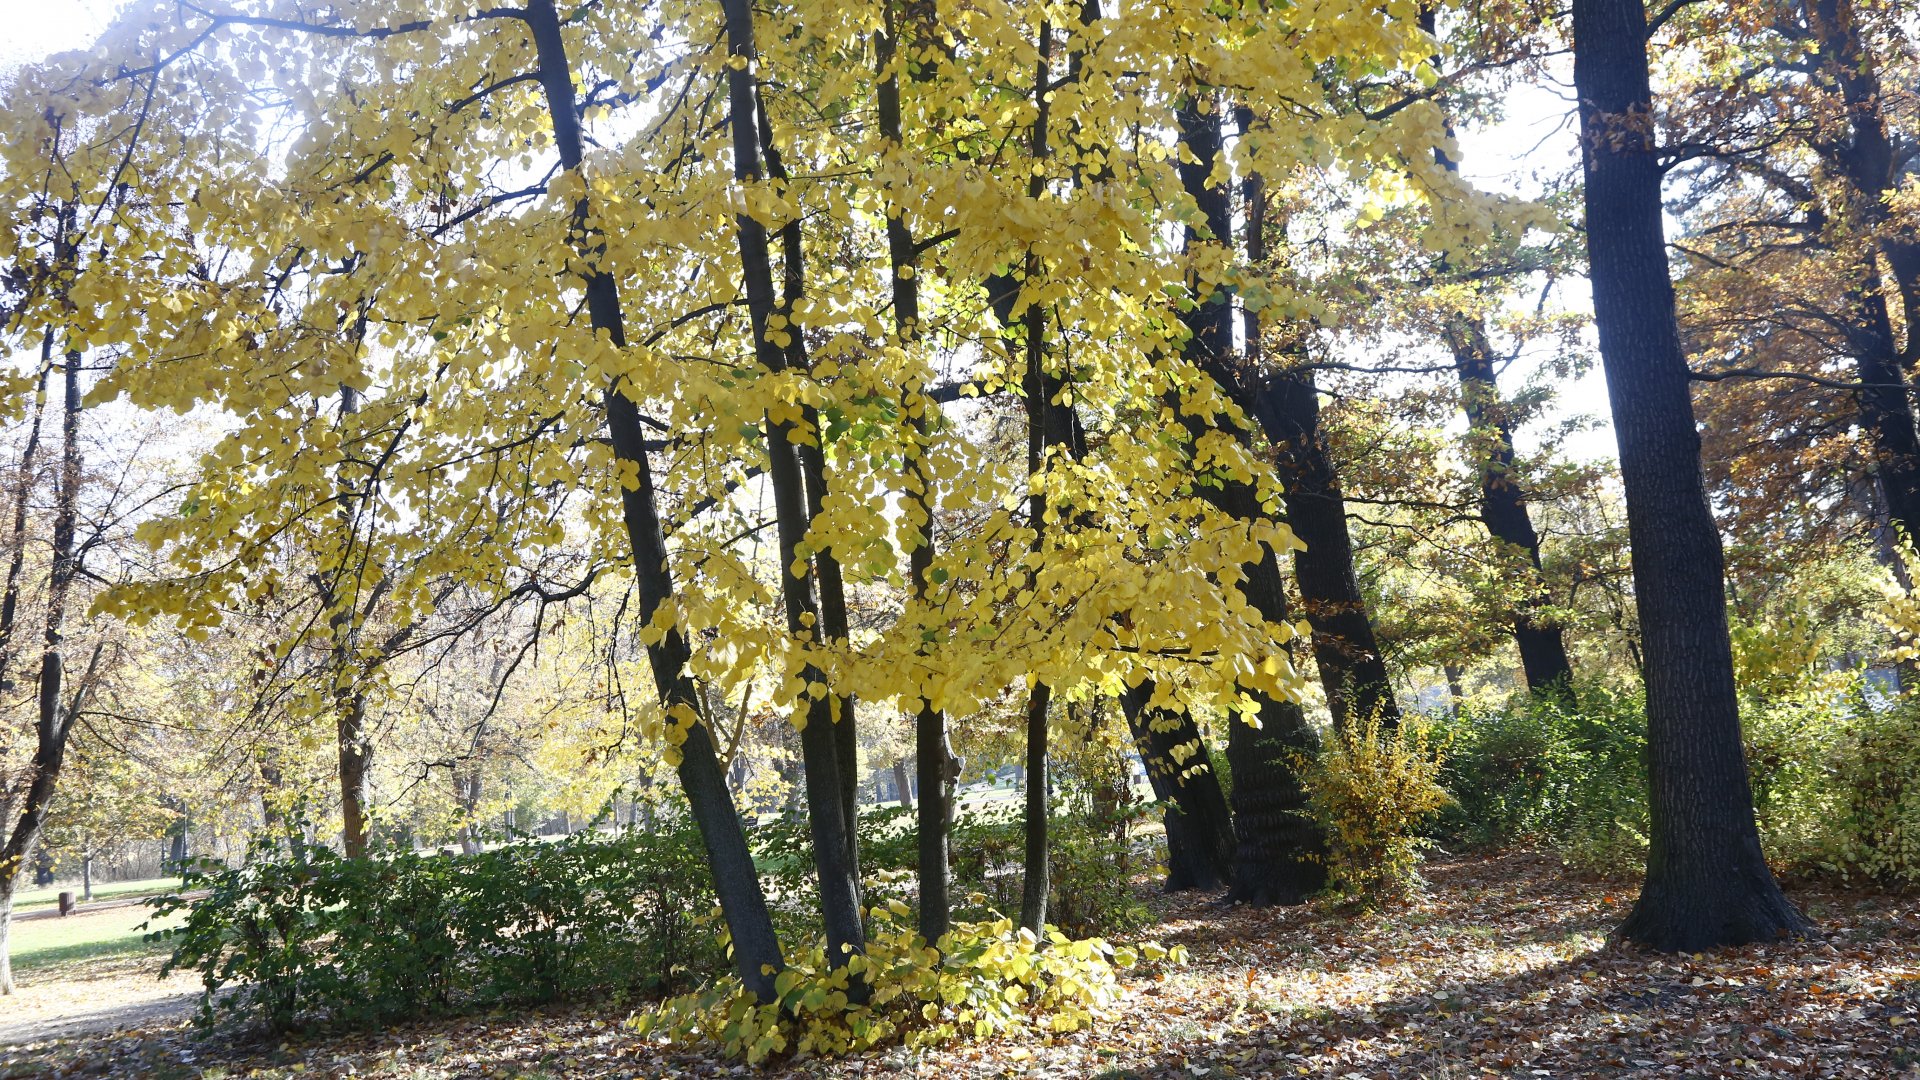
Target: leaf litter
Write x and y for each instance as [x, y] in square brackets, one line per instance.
[1500, 967]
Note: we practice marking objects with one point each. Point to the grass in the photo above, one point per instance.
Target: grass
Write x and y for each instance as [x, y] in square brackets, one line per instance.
[39, 943]
[29, 899]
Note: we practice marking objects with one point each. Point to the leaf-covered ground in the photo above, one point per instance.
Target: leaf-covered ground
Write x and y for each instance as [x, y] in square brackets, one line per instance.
[1501, 968]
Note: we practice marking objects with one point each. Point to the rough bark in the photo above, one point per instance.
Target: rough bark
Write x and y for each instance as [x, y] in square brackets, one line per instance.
[756, 948]
[1279, 854]
[1707, 882]
[50, 751]
[355, 767]
[55, 724]
[1200, 844]
[1352, 671]
[17, 540]
[902, 784]
[1048, 426]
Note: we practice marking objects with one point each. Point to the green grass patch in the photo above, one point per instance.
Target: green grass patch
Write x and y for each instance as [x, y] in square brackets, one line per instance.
[41, 943]
[29, 899]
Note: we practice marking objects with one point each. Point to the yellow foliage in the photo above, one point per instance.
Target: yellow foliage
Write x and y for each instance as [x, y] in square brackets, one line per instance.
[1372, 788]
[984, 980]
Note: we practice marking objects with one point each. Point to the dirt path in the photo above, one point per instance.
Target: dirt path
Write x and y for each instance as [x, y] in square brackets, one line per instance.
[90, 907]
[93, 997]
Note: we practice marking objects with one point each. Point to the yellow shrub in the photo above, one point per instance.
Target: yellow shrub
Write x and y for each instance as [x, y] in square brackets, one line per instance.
[1373, 789]
[992, 980]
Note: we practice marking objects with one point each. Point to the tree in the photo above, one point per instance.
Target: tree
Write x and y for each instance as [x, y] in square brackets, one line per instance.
[1707, 881]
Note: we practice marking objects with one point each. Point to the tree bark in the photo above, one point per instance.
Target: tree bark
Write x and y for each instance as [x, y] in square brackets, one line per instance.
[356, 760]
[1279, 853]
[902, 785]
[1200, 844]
[756, 948]
[1352, 671]
[1707, 882]
[1049, 425]
[52, 731]
[1503, 507]
[17, 546]
[55, 726]
[936, 770]
[1865, 159]
[834, 845]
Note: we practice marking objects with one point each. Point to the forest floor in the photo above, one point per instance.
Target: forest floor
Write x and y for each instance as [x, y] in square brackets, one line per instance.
[1501, 967]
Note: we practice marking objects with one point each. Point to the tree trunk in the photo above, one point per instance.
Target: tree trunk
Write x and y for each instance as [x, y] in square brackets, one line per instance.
[935, 767]
[55, 726]
[1503, 507]
[1707, 882]
[356, 761]
[756, 948]
[1200, 844]
[17, 545]
[835, 846]
[1037, 879]
[1049, 425]
[1352, 671]
[902, 785]
[50, 752]
[1456, 688]
[1279, 853]
[466, 792]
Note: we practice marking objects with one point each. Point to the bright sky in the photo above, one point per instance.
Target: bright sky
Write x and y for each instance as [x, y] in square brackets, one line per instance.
[1535, 142]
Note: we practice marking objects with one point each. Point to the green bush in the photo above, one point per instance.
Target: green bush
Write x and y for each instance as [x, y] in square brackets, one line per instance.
[987, 979]
[1569, 778]
[1091, 863]
[364, 942]
[1835, 779]
[1878, 784]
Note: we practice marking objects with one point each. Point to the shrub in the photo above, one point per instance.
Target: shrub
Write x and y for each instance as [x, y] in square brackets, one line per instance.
[1570, 778]
[368, 941]
[1879, 787]
[986, 979]
[1374, 789]
[1091, 863]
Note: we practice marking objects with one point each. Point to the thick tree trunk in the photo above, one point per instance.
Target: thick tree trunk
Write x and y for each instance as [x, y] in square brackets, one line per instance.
[1352, 670]
[1707, 882]
[1200, 845]
[1286, 404]
[1503, 507]
[1279, 854]
[756, 948]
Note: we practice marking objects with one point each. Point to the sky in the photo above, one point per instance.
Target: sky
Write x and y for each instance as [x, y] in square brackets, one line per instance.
[1536, 140]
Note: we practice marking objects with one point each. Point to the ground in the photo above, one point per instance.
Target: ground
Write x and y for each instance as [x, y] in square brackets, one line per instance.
[1501, 968]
